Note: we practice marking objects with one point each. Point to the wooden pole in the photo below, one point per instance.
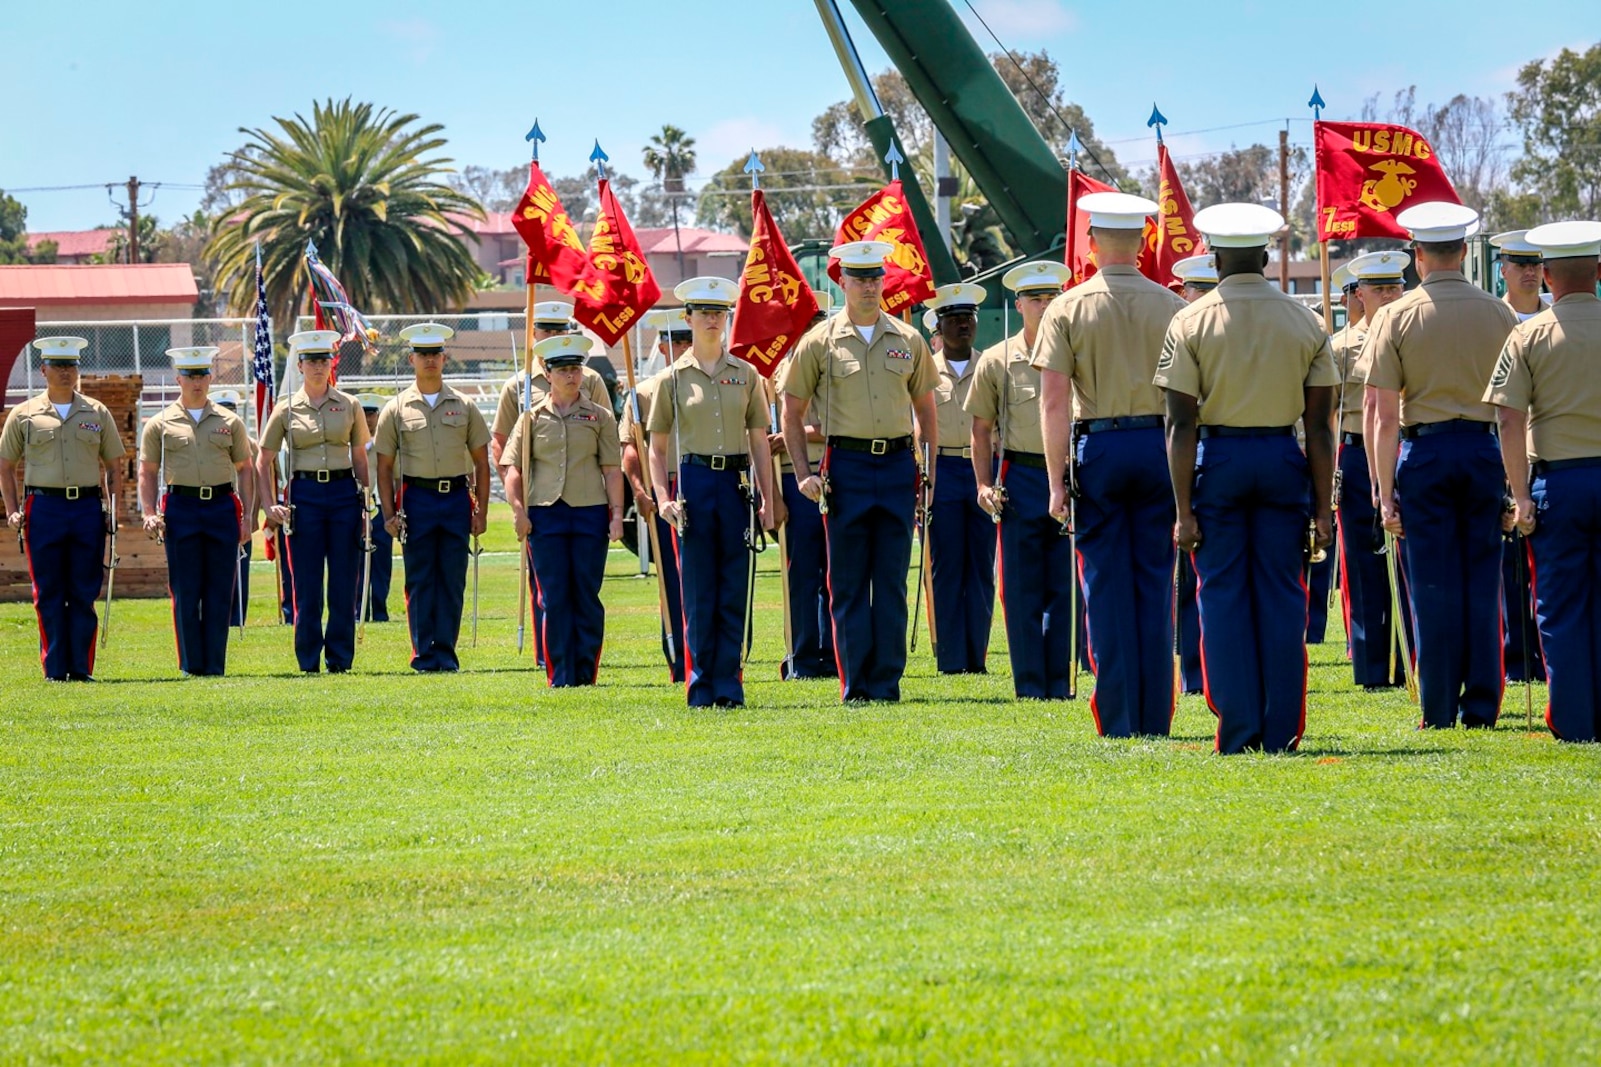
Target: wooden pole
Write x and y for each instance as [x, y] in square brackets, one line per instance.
[638, 435]
[1284, 209]
[528, 379]
[1328, 297]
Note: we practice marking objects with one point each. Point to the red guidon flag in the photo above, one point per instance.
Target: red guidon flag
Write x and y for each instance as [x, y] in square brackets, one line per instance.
[885, 216]
[617, 285]
[1367, 172]
[1078, 258]
[775, 304]
[1172, 236]
[556, 254]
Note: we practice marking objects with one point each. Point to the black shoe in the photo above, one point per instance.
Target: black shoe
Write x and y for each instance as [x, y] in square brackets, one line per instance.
[80, 678]
[338, 670]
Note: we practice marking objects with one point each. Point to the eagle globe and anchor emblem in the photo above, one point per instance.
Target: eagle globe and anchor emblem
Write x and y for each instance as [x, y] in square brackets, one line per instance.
[1387, 193]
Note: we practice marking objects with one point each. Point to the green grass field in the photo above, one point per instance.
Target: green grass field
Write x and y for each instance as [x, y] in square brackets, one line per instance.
[381, 867]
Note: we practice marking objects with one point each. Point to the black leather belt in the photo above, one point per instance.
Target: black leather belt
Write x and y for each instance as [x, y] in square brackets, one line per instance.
[70, 492]
[734, 461]
[442, 486]
[1351, 439]
[878, 446]
[1122, 422]
[1429, 429]
[961, 451]
[1027, 459]
[324, 476]
[1546, 466]
[202, 492]
[1247, 431]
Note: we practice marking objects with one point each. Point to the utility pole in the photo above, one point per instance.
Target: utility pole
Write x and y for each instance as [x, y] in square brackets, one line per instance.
[133, 220]
[1284, 207]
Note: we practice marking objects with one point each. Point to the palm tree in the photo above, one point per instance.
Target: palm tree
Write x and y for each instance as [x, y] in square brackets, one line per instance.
[359, 182]
[669, 156]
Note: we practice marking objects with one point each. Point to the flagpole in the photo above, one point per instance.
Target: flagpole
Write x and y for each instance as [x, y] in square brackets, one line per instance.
[1317, 105]
[1072, 230]
[637, 434]
[531, 298]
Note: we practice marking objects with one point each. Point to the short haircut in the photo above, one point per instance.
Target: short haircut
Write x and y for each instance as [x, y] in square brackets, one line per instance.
[1443, 249]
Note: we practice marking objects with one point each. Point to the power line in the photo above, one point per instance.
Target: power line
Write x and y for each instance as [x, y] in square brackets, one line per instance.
[105, 185]
[1033, 84]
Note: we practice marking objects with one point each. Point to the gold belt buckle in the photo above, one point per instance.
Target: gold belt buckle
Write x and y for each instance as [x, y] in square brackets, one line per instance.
[719, 463]
[323, 477]
[205, 492]
[72, 492]
[444, 486]
[880, 447]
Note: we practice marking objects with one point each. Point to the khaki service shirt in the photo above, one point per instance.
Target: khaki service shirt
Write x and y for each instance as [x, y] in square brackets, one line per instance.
[61, 452]
[1437, 346]
[322, 433]
[568, 452]
[1347, 347]
[625, 430]
[1005, 369]
[593, 386]
[1246, 351]
[950, 401]
[775, 388]
[1548, 367]
[863, 390]
[195, 454]
[713, 411]
[435, 442]
[1106, 335]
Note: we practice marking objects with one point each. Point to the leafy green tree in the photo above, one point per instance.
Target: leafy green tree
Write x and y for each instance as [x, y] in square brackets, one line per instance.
[14, 235]
[807, 193]
[1557, 107]
[362, 183]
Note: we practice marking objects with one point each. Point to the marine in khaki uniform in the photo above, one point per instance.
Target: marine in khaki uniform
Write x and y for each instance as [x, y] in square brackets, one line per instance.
[1099, 345]
[961, 534]
[1440, 481]
[196, 449]
[70, 446]
[870, 375]
[1197, 276]
[712, 411]
[432, 447]
[1519, 265]
[326, 434]
[672, 627]
[1546, 391]
[552, 318]
[1240, 366]
[572, 494]
[1005, 400]
[811, 651]
[1371, 281]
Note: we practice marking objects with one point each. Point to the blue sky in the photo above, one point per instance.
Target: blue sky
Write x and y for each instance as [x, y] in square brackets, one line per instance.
[97, 91]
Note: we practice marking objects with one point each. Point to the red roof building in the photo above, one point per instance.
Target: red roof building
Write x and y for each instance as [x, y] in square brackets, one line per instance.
[69, 293]
[74, 246]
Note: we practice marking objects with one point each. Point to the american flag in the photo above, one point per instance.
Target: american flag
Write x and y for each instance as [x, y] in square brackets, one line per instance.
[333, 308]
[261, 361]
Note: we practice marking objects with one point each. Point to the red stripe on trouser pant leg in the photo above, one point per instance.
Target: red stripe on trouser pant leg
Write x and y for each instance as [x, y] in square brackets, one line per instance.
[1206, 683]
[1089, 645]
[27, 525]
[1534, 592]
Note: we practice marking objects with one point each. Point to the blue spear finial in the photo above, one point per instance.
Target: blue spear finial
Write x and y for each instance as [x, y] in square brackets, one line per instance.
[1316, 104]
[1073, 148]
[754, 167]
[599, 158]
[535, 135]
[894, 158]
[1157, 120]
